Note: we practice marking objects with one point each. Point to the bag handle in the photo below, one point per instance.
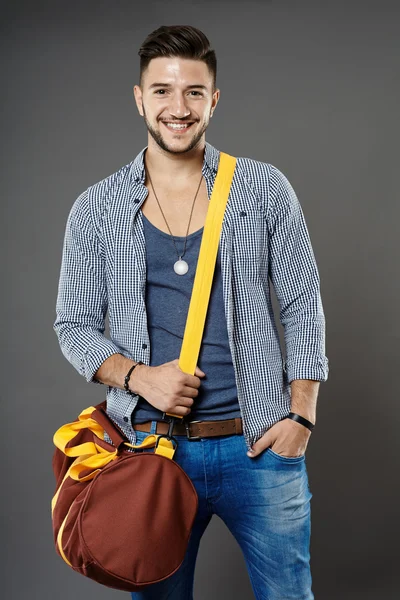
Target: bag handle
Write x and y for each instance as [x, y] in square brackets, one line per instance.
[100, 415]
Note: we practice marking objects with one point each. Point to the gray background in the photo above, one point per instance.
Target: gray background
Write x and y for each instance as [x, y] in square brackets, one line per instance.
[311, 87]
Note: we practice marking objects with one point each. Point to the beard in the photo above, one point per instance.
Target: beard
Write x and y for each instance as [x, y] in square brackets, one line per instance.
[158, 138]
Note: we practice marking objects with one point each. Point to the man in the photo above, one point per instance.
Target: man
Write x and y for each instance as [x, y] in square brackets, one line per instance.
[131, 246]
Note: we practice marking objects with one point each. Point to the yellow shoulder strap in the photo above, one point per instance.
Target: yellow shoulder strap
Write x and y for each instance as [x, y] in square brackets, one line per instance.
[206, 266]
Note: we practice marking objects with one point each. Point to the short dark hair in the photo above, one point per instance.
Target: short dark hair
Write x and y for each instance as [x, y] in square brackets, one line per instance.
[183, 41]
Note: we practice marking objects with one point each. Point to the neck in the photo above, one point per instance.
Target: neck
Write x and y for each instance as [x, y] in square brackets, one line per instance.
[169, 166]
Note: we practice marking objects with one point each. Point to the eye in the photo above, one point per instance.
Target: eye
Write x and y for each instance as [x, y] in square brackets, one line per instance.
[195, 92]
[157, 91]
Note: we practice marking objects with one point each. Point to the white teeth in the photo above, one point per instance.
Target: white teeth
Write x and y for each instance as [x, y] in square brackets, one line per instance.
[177, 125]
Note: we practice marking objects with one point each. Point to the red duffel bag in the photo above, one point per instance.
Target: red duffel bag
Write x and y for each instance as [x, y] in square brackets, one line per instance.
[119, 517]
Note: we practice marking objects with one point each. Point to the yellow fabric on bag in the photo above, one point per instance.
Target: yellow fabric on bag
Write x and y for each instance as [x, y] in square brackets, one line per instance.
[59, 538]
[92, 456]
[67, 432]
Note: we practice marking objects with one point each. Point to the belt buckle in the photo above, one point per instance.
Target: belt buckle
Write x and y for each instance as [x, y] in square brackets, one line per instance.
[191, 438]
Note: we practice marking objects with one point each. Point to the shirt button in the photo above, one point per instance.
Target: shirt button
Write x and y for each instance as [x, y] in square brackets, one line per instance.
[126, 419]
[144, 346]
[137, 200]
[243, 213]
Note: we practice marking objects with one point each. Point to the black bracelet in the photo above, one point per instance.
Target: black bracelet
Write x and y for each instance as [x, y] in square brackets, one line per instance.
[127, 376]
[301, 420]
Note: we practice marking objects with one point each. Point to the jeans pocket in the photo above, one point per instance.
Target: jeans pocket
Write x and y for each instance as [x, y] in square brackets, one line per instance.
[289, 459]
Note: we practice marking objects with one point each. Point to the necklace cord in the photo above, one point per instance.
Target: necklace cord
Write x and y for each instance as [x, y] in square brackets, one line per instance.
[190, 218]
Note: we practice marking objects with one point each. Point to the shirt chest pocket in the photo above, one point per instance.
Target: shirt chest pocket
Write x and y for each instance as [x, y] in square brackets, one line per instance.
[248, 235]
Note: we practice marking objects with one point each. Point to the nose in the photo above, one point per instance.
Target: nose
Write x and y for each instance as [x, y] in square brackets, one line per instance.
[178, 106]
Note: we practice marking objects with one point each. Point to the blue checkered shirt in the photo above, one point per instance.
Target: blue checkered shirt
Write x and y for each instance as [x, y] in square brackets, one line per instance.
[264, 239]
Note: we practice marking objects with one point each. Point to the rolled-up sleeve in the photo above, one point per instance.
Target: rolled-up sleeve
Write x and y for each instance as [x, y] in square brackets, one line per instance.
[294, 275]
[82, 303]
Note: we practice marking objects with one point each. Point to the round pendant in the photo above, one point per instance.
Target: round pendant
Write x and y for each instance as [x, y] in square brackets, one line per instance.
[181, 267]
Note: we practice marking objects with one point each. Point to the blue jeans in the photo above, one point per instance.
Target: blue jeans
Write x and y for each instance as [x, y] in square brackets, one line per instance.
[265, 503]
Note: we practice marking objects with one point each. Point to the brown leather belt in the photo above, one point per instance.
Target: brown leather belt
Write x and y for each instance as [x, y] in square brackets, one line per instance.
[195, 430]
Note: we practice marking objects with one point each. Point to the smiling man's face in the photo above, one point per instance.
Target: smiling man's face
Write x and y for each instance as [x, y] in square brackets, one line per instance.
[176, 100]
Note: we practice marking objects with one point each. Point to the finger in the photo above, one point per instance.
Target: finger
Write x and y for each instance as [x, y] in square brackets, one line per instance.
[190, 392]
[181, 410]
[185, 405]
[192, 381]
[185, 401]
[198, 372]
[259, 446]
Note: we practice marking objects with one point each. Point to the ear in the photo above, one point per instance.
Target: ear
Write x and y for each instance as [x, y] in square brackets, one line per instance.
[137, 92]
[215, 100]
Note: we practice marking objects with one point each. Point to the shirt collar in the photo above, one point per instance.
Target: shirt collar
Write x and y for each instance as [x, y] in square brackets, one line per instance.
[210, 163]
